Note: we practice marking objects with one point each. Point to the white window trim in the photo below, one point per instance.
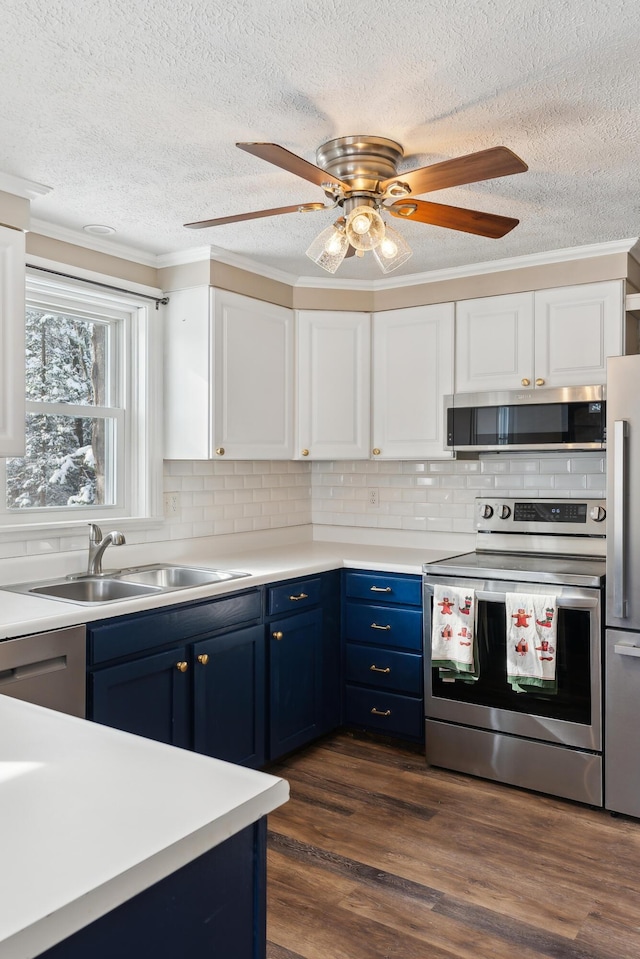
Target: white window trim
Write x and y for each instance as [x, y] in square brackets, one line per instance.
[142, 387]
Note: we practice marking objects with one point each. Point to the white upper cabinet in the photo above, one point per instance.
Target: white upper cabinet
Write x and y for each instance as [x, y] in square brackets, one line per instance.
[557, 337]
[576, 329]
[494, 343]
[228, 377]
[412, 372]
[12, 364]
[333, 385]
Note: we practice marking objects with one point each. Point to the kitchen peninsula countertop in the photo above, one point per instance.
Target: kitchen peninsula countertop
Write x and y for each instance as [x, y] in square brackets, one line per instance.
[91, 816]
[22, 614]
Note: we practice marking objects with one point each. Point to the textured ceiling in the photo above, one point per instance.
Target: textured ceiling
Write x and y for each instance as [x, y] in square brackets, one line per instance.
[130, 109]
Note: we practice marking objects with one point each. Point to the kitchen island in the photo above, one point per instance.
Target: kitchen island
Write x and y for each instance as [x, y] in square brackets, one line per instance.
[117, 845]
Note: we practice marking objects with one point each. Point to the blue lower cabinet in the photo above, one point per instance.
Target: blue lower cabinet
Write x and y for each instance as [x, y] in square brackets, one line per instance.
[384, 712]
[295, 681]
[229, 697]
[150, 697]
[212, 908]
[382, 627]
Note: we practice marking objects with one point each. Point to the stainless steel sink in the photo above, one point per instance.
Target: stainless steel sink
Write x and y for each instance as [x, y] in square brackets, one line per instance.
[93, 590]
[126, 583]
[177, 577]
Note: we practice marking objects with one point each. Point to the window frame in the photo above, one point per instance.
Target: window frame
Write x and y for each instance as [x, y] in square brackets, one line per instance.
[135, 386]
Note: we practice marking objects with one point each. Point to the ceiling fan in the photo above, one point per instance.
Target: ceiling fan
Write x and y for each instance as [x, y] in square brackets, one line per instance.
[359, 175]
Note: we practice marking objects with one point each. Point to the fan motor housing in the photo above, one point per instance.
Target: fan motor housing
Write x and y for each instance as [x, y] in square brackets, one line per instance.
[361, 161]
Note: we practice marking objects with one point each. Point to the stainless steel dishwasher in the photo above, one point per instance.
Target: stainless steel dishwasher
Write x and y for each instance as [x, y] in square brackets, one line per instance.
[47, 669]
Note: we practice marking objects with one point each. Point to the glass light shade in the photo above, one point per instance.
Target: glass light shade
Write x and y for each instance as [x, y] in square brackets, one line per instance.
[365, 228]
[329, 248]
[392, 251]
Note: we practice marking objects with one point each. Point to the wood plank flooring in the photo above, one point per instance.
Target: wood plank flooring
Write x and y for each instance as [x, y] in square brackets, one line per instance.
[377, 856]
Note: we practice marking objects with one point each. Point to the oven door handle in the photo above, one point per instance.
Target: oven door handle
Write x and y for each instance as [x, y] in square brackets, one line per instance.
[564, 602]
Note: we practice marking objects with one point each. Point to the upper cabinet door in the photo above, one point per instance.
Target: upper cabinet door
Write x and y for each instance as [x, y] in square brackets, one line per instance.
[12, 365]
[253, 399]
[412, 372]
[334, 358]
[228, 377]
[494, 343]
[576, 329]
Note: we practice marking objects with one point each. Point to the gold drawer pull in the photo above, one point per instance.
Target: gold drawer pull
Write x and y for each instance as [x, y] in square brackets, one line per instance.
[203, 659]
[375, 626]
[381, 589]
[378, 712]
[294, 599]
[182, 667]
[377, 669]
[277, 635]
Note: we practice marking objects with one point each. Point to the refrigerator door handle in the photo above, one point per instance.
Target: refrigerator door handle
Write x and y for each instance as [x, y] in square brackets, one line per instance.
[620, 434]
[626, 649]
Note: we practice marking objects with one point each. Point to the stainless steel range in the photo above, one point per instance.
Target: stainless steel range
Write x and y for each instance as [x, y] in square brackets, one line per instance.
[543, 731]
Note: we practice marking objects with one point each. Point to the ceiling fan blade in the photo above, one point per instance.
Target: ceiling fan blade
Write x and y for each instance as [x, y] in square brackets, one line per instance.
[350, 252]
[286, 160]
[453, 217]
[485, 165]
[276, 211]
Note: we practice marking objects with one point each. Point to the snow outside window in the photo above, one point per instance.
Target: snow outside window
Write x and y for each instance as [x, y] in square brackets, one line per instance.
[89, 417]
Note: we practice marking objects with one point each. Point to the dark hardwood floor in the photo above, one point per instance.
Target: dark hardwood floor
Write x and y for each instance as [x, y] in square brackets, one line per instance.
[377, 856]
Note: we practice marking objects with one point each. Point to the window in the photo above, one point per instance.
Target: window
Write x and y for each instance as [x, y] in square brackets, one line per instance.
[91, 450]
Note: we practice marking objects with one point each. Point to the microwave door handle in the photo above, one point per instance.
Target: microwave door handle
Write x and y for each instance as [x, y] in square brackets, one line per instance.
[620, 437]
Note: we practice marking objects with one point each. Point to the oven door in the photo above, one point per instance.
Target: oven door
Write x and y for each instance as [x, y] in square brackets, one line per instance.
[572, 716]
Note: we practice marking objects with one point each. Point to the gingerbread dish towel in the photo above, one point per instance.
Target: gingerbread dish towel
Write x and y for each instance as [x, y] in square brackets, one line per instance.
[531, 641]
[453, 633]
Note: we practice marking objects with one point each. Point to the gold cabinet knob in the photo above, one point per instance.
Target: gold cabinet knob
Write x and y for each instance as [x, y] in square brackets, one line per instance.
[220, 451]
[277, 635]
[526, 382]
[376, 451]
[539, 382]
[182, 667]
[305, 452]
[203, 659]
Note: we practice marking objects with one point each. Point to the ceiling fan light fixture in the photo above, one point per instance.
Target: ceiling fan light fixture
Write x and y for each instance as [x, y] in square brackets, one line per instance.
[329, 248]
[364, 228]
[392, 251]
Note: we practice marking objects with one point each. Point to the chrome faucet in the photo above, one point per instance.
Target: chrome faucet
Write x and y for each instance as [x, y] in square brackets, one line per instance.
[97, 546]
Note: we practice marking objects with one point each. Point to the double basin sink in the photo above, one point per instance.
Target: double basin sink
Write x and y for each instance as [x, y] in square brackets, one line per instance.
[126, 583]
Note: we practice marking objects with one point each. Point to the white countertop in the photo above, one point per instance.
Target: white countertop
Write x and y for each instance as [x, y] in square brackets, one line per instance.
[23, 614]
[90, 816]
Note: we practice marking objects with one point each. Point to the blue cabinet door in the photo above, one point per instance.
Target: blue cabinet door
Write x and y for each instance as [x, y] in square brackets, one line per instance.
[229, 697]
[149, 697]
[295, 681]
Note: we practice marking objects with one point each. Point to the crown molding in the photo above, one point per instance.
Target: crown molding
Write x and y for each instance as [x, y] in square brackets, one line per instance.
[182, 257]
[511, 263]
[88, 242]
[630, 246]
[17, 185]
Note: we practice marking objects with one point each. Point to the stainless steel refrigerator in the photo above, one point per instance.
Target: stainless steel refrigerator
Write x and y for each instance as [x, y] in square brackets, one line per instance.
[622, 658]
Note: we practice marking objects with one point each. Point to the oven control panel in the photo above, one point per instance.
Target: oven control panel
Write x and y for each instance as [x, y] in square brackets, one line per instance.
[549, 516]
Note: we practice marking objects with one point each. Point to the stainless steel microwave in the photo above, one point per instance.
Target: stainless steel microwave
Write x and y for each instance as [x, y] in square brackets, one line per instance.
[568, 418]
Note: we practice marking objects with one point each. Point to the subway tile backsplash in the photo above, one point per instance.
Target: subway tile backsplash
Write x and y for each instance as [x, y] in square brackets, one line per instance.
[215, 498]
[440, 495]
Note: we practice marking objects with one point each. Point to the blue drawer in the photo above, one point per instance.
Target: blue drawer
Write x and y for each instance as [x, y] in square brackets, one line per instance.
[384, 669]
[384, 625]
[293, 596]
[384, 587]
[384, 712]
